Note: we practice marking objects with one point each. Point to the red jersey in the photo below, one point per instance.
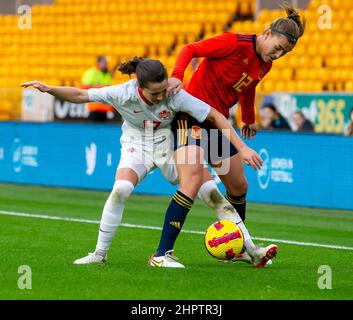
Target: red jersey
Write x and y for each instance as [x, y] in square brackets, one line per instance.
[228, 74]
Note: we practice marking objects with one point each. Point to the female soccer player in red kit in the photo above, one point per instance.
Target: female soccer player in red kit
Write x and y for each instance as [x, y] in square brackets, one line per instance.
[232, 67]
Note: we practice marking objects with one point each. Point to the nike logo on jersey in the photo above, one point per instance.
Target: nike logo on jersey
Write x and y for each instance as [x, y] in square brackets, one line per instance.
[138, 111]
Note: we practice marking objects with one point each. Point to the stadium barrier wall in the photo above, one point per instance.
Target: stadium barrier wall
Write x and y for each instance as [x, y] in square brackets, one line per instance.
[299, 169]
[66, 155]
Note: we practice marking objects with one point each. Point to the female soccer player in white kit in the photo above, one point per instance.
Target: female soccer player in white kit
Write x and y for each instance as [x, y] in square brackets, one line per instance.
[146, 143]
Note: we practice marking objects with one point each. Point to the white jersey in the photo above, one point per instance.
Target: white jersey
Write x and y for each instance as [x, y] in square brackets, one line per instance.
[137, 114]
[146, 138]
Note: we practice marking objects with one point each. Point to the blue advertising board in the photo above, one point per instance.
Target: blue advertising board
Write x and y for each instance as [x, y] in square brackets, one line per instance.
[66, 155]
[299, 169]
[303, 169]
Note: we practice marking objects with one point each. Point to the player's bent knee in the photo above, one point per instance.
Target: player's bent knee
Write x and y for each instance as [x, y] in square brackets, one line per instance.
[244, 186]
[216, 197]
[210, 193]
[122, 190]
[239, 188]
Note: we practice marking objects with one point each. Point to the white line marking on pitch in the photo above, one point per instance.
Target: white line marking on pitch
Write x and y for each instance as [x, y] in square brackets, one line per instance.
[136, 226]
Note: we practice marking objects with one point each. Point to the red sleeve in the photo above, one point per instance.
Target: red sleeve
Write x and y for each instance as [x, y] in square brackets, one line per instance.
[216, 47]
[247, 104]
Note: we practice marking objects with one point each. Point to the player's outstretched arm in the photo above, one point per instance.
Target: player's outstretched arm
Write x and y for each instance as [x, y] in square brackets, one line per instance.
[249, 156]
[70, 94]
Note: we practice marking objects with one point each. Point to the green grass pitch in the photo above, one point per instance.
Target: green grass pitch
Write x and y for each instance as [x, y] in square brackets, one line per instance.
[49, 248]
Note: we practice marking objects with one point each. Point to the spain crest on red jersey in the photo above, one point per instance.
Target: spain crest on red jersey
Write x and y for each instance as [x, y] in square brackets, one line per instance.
[196, 132]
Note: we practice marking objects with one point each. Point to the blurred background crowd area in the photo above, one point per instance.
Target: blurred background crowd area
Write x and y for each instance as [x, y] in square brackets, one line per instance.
[58, 42]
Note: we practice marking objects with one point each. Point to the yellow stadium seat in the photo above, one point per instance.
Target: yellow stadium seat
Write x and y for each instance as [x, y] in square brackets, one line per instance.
[5, 110]
[302, 73]
[268, 85]
[301, 86]
[349, 86]
[347, 61]
[332, 61]
[341, 86]
[69, 34]
[346, 49]
[265, 16]
[279, 86]
[347, 25]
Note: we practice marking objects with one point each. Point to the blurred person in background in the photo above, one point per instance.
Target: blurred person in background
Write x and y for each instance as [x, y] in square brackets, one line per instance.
[271, 119]
[349, 128]
[97, 77]
[301, 123]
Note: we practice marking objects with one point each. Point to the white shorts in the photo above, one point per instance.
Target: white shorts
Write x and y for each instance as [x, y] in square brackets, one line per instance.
[144, 160]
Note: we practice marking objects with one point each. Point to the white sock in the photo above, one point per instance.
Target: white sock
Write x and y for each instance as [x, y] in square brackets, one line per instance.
[112, 214]
[211, 195]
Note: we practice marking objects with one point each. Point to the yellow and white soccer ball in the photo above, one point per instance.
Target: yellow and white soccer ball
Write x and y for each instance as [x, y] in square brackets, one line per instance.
[224, 240]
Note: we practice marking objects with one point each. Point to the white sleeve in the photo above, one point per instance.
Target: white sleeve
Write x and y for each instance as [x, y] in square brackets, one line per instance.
[111, 95]
[196, 108]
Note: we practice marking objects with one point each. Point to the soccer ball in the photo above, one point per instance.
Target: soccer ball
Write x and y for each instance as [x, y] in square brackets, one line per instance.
[224, 240]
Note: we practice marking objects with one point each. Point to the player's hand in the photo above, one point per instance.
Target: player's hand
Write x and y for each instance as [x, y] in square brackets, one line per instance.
[174, 85]
[248, 131]
[36, 84]
[251, 158]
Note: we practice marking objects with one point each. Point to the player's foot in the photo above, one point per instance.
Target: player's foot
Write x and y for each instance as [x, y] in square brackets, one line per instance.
[245, 257]
[169, 260]
[262, 255]
[91, 258]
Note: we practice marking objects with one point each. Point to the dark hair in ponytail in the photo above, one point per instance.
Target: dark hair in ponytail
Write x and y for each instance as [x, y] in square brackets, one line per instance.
[147, 70]
[291, 27]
